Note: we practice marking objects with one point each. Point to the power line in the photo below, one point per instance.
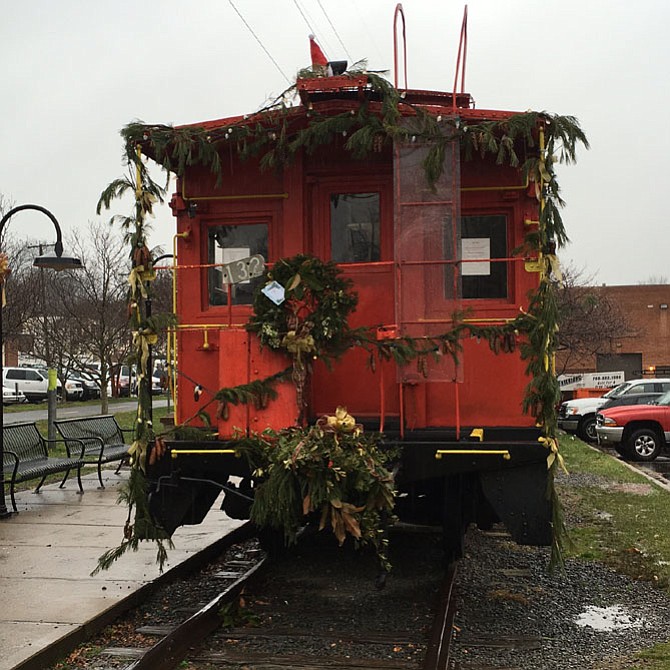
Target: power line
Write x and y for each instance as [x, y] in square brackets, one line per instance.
[330, 23]
[366, 29]
[269, 55]
[311, 30]
[323, 43]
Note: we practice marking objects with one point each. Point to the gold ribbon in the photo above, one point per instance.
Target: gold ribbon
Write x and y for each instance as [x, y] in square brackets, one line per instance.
[4, 273]
[542, 169]
[4, 267]
[142, 340]
[137, 278]
[554, 267]
[551, 443]
[146, 202]
[138, 453]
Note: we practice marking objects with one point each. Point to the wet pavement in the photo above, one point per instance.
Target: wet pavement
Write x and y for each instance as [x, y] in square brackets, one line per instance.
[658, 468]
[48, 551]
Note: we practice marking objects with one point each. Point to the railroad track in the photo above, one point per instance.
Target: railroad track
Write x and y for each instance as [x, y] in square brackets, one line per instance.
[316, 608]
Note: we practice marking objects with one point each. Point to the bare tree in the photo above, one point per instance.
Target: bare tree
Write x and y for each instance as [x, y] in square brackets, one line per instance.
[161, 297]
[96, 304]
[655, 280]
[20, 288]
[589, 322]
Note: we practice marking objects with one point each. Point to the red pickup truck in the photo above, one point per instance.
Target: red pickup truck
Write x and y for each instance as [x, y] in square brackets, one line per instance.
[636, 432]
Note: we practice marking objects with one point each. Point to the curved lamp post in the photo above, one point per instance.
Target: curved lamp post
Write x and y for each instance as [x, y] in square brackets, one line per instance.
[55, 262]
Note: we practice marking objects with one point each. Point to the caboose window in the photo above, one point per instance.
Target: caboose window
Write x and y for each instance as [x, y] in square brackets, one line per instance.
[354, 227]
[231, 243]
[483, 239]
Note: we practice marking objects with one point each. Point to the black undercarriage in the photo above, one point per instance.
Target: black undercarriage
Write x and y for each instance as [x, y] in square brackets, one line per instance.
[439, 481]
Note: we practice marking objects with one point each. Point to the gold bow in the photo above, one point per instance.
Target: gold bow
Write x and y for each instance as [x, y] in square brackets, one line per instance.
[296, 344]
[554, 455]
[340, 422]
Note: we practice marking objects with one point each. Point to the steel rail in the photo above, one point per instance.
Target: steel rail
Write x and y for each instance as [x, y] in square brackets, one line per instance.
[437, 654]
[171, 650]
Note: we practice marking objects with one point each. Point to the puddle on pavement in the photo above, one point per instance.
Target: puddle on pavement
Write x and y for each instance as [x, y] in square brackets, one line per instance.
[607, 619]
[660, 467]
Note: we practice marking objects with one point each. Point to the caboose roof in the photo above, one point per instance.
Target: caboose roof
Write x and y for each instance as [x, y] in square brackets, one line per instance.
[333, 95]
[278, 130]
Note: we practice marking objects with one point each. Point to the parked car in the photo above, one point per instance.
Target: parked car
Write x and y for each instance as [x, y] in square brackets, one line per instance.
[126, 381]
[156, 384]
[32, 383]
[636, 432]
[73, 387]
[11, 396]
[632, 399]
[579, 416]
[90, 387]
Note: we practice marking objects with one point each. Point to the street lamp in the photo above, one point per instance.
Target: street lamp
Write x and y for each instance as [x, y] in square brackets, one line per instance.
[56, 262]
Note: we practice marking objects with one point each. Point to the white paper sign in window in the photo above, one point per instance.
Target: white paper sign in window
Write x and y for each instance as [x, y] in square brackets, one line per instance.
[474, 250]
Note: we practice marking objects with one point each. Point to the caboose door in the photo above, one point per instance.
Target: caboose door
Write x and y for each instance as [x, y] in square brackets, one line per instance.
[352, 225]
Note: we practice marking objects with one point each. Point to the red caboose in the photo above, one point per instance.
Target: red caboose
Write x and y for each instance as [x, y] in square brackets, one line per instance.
[390, 233]
[401, 190]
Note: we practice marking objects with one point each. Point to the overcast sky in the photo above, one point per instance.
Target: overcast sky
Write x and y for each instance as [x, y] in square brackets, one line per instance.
[74, 72]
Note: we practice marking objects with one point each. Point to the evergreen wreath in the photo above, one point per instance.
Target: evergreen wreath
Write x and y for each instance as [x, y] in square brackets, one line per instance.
[312, 321]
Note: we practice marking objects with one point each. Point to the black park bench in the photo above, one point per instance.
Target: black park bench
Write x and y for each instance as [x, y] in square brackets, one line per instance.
[102, 437]
[26, 456]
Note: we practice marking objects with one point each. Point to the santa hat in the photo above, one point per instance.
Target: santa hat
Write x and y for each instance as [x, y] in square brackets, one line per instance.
[318, 58]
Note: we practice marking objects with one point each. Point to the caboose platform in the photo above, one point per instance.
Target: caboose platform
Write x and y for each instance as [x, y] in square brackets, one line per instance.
[47, 552]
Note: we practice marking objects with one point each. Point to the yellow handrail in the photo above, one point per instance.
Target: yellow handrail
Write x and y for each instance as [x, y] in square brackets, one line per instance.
[479, 452]
[192, 452]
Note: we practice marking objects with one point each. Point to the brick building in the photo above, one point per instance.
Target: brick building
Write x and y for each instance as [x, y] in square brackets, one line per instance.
[645, 350]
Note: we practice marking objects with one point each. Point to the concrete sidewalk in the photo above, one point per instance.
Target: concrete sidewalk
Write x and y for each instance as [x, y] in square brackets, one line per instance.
[48, 550]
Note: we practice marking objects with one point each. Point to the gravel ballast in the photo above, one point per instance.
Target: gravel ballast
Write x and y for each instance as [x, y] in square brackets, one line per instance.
[515, 614]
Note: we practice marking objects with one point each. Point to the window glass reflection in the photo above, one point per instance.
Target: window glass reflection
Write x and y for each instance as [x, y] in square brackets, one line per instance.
[354, 227]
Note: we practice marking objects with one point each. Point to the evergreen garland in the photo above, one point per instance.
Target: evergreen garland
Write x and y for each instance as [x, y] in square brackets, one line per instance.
[258, 392]
[145, 334]
[382, 116]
